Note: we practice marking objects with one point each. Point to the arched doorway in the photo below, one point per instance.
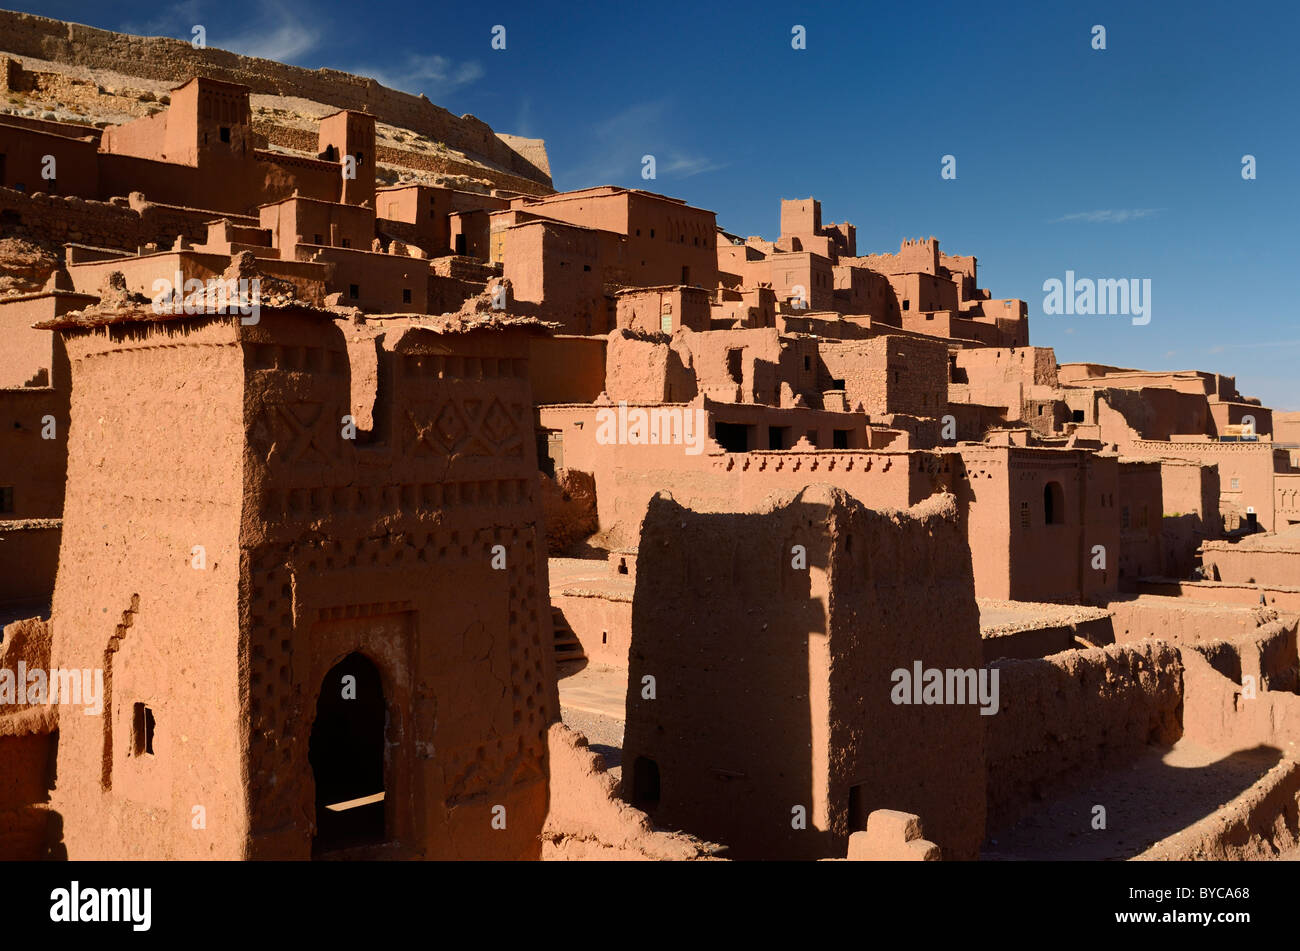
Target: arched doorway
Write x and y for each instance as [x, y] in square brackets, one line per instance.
[346, 752]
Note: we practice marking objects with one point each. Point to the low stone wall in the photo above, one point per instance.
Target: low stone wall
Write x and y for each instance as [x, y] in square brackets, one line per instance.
[1284, 598]
[586, 819]
[1261, 822]
[1076, 713]
[1183, 620]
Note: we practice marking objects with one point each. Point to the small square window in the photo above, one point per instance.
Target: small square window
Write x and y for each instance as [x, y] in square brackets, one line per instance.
[406, 295]
[354, 291]
[225, 133]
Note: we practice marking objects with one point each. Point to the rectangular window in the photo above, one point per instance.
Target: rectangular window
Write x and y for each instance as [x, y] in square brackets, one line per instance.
[735, 365]
[1024, 514]
[1236, 483]
[354, 291]
[142, 730]
[225, 133]
[6, 498]
[406, 295]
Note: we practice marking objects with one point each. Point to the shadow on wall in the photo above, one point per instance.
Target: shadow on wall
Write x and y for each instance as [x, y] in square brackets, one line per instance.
[724, 750]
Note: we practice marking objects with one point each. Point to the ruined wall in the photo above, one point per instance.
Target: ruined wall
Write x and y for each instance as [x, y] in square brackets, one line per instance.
[57, 219]
[734, 366]
[1264, 560]
[800, 660]
[587, 821]
[1073, 714]
[1283, 598]
[890, 374]
[649, 368]
[1182, 620]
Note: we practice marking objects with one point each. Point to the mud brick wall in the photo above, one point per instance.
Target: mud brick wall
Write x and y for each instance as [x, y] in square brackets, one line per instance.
[1076, 713]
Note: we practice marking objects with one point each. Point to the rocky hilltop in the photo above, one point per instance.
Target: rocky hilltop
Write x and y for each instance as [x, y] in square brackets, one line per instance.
[70, 72]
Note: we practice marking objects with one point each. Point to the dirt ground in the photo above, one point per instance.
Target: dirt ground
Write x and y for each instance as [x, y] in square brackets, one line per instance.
[1157, 796]
[591, 701]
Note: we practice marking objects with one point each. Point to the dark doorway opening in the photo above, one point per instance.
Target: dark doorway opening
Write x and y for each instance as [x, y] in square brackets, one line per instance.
[732, 437]
[1053, 503]
[346, 752]
[645, 784]
[735, 364]
[857, 808]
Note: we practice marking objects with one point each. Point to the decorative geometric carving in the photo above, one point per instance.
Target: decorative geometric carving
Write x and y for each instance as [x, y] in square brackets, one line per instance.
[470, 427]
[293, 434]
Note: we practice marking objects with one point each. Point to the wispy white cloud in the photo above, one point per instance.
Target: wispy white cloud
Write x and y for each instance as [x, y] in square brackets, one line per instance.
[175, 20]
[281, 32]
[684, 166]
[1253, 345]
[1108, 215]
[430, 73]
[524, 119]
[619, 143]
[279, 29]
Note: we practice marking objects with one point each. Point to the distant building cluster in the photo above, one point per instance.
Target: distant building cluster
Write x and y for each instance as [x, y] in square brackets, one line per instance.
[352, 474]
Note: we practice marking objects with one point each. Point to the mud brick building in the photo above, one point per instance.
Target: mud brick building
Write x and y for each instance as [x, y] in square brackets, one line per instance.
[254, 551]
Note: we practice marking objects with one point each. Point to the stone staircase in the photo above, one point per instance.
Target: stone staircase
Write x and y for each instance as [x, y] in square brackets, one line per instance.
[567, 645]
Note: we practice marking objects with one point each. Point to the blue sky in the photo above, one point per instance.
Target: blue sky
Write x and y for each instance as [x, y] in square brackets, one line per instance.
[1116, 163]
